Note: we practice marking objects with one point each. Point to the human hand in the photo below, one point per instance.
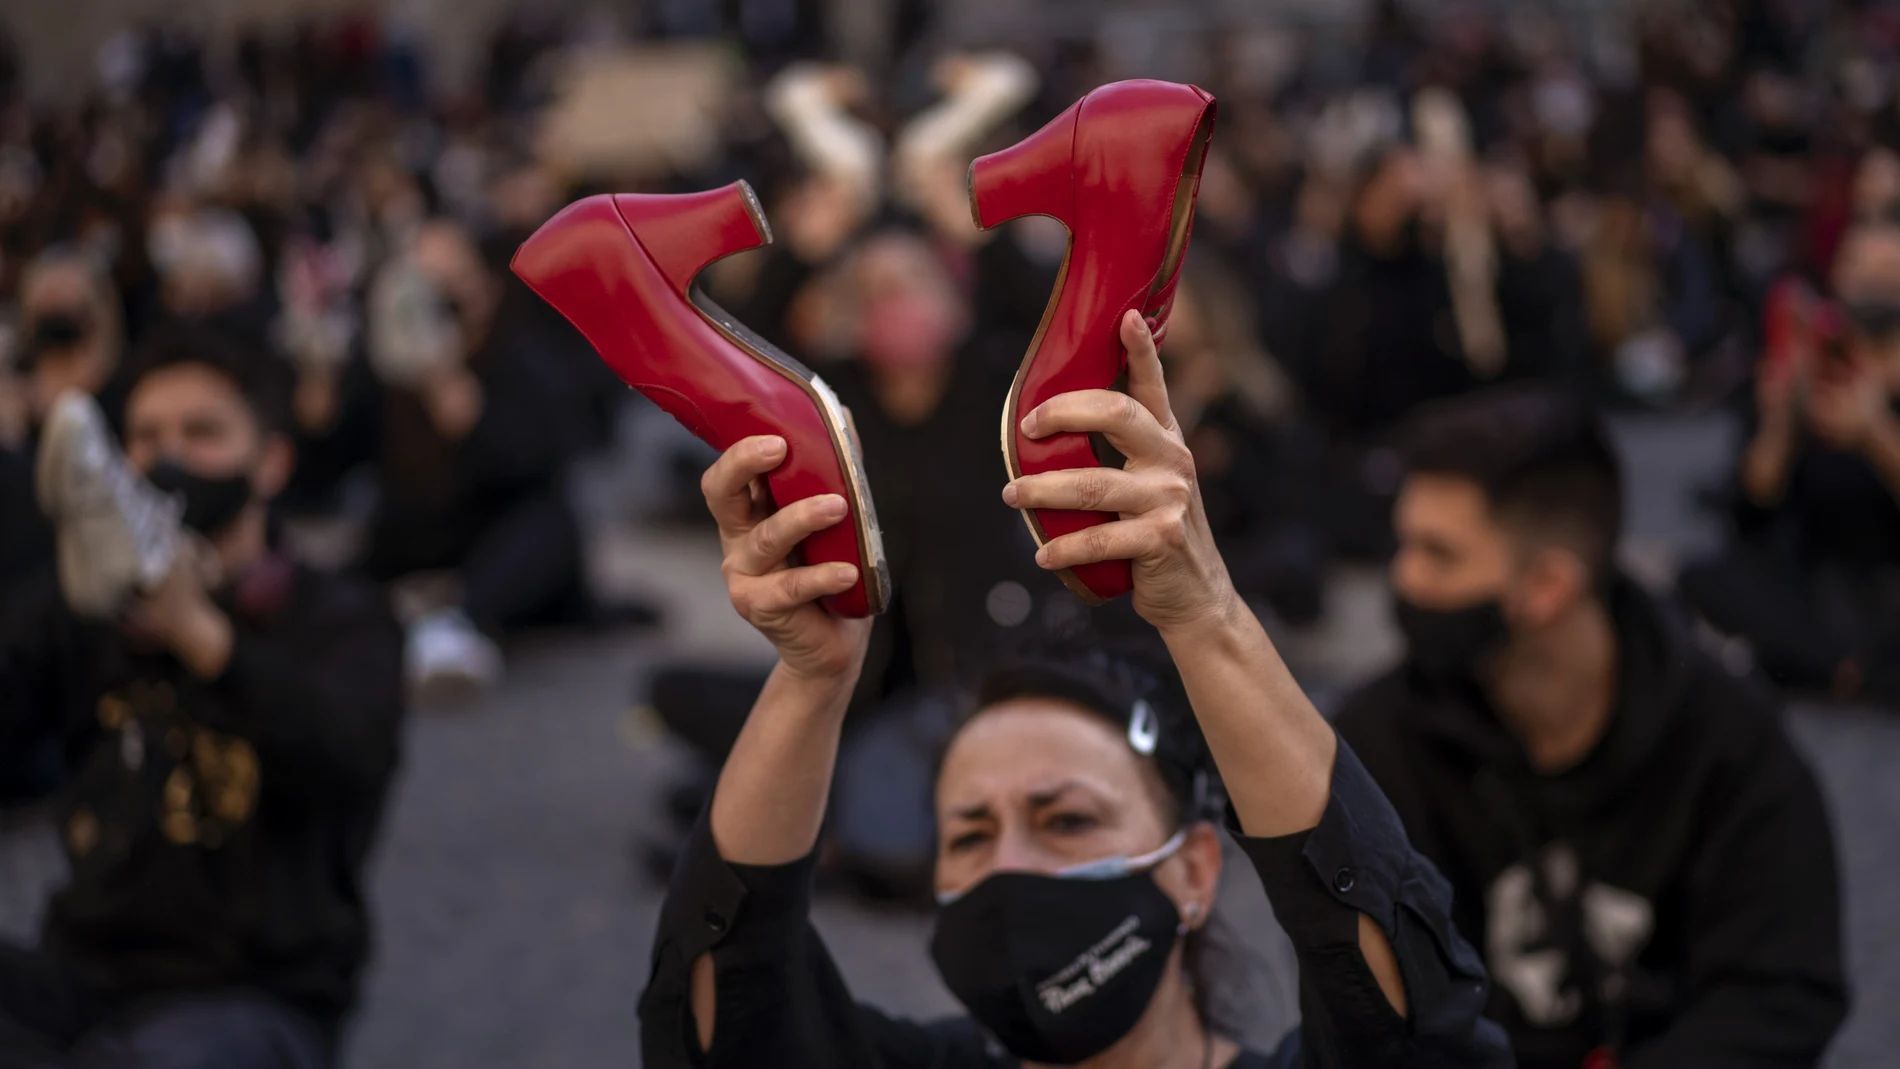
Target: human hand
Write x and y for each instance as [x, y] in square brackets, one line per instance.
[1779, 386]
[1180, 579]
[1848, 403]
[180, 614]
[777, 599]
[454, 399]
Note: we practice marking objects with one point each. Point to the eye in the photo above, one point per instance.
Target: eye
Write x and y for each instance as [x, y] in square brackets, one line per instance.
[969, 840]
[1072, 823]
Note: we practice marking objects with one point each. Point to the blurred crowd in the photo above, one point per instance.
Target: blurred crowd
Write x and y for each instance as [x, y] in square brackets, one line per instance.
[1486, 194]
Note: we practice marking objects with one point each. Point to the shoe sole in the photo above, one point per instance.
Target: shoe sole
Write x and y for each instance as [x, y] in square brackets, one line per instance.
[837, 418]
[1181, 214]
[55, 445]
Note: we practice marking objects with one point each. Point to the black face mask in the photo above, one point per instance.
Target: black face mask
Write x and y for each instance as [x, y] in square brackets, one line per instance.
[1058, 968]
[1878, 318]
[1451, 645]
[211, 504]
[60, 330]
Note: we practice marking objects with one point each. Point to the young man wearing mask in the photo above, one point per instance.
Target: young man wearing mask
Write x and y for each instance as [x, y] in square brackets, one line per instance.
[231, 726]
[1628, 830]
[1814, 581]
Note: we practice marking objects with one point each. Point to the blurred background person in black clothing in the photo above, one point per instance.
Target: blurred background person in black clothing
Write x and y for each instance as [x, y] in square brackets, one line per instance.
[69, 337]
[1631, 835]
[231, 735]
[1252, 451]
[1813, 579]
[476, 429]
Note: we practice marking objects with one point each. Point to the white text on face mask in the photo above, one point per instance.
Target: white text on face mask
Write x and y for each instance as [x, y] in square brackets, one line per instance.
[1094, 968]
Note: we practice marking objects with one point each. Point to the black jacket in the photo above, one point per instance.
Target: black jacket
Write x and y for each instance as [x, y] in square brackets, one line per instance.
[1674, 896]
[217, 831]
[782, 1003]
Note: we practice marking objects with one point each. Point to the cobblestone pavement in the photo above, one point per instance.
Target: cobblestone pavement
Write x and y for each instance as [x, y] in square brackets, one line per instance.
[515, 918]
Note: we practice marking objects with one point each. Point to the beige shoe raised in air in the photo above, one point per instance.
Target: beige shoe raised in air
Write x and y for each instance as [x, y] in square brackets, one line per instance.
[117, 534]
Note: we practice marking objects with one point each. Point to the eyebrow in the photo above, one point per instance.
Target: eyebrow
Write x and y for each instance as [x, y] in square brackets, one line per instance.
[1037, 800]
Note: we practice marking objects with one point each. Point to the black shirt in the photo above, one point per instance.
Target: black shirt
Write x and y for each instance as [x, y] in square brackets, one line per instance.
[782, 1002]
[217, 830]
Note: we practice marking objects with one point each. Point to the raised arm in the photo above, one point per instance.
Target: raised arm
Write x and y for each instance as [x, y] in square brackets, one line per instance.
[1276, 754]
[770, 800]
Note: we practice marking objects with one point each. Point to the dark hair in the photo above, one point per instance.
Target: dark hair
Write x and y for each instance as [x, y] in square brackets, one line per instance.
[1542, 459]
[1120, 687]
[259, 375]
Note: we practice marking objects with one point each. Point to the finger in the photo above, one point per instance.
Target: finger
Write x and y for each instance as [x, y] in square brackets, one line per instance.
[783, 591]
[1089, 490]
[1128, 425]
[767, 545]
[1119, 540]
[727, 484]
[1146, 384]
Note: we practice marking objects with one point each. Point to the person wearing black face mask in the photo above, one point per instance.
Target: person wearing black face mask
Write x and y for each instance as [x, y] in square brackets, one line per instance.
[1075, 858]
[231, 719]
[1812, 579]
[1627, 827]
[69, 318]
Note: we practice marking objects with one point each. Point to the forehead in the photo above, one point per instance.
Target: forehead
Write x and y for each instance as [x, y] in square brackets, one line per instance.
[57, 284]
[1869, 259]
[183, 388]
[442, 248]
[897, 259]
[1025, 745]
[1445, 502]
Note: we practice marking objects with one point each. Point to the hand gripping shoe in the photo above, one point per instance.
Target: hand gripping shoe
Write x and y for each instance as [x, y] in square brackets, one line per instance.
[621, 267]
[1120, 168]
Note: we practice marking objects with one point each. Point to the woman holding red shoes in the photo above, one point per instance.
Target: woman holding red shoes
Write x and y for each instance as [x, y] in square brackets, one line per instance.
[1076, 859]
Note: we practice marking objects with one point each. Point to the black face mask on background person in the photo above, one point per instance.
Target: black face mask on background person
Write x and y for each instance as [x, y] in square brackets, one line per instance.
[1877, 318]
[54, 331]
[211, 504]
[1451, 644]
[1060, 967]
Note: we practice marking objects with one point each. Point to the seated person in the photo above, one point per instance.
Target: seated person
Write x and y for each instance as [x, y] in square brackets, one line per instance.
[232, 735]
[1253, 454]
[70, 338]
[477, 424]
[1076, 858]
[70, 320]
[1628, 829]
[1813, 583]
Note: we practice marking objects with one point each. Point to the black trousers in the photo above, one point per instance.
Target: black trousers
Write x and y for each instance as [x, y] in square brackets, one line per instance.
[520, 564]
[1802, 621]
[51, 1019]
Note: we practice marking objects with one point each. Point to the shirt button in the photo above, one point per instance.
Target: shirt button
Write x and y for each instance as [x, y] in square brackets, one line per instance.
[1344, 879]
[715, 920]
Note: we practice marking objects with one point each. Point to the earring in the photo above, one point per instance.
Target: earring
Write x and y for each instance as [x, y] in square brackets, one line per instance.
[1193, 913]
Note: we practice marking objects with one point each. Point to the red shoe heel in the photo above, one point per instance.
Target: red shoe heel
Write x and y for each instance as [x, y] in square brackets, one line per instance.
[1031, 177]
[684, 233]
[621, 269]
[1121, 169]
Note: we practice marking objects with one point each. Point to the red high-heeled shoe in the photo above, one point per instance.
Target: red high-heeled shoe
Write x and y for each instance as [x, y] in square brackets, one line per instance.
[1120, 168]
[621, 269]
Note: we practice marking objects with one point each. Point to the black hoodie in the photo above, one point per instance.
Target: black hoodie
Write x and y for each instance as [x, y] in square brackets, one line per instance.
[1672, 899]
